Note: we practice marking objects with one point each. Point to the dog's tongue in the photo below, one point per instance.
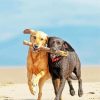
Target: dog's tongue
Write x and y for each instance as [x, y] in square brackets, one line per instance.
[54, 57]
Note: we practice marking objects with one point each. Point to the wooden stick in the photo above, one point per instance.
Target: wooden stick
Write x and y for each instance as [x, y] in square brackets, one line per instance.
[58, 52]
[27, 43]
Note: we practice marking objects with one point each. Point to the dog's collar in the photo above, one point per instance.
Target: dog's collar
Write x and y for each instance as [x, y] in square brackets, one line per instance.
[56, 59]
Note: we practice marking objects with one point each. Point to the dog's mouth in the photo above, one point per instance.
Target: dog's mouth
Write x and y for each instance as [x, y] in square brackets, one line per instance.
[55, 57]
[35, 48]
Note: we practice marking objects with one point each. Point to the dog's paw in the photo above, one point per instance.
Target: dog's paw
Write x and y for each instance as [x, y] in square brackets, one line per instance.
[80, 92]
[33, 90]
[72, 92]
[58, 98]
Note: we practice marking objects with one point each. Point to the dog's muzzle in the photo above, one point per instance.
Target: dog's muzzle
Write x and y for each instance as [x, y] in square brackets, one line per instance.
[35, 47]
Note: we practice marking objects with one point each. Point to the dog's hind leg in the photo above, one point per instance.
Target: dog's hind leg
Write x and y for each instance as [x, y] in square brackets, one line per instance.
[72, 92]
[77, 71]
[80, 91]
[41, 83]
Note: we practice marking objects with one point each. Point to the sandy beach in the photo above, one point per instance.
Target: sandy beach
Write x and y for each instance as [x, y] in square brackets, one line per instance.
[13, 85]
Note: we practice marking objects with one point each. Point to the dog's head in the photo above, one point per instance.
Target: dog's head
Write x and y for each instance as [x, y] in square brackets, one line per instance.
[38, 38]
[56, 43]
[59, 44]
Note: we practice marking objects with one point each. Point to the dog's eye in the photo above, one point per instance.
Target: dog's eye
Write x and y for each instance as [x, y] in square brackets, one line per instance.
[53, 42]
[34, 37]
[41, 38]
[58, 42]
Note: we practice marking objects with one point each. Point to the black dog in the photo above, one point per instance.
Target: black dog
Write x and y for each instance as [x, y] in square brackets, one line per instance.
[61, 68]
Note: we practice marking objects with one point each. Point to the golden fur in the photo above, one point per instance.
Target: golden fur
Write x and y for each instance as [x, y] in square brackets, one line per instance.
[37, 62]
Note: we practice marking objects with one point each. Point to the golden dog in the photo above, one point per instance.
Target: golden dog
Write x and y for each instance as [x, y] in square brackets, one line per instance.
[37, 62]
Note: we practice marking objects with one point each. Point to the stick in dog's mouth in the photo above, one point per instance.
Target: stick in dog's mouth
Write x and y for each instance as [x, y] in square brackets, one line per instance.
[34, 47]
[27, 43]
[57, 52]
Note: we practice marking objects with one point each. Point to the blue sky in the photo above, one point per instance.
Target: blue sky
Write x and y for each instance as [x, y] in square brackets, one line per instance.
[76, 21]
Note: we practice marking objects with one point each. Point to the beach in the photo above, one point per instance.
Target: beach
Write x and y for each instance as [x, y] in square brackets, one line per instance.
[13, 85]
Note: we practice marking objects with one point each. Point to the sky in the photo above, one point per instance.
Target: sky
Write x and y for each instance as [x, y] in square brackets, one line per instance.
[76, 21]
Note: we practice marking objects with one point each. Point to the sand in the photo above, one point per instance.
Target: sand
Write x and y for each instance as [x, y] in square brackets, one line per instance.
[13, 85]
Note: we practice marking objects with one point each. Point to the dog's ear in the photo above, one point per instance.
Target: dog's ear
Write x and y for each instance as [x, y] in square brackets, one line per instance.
[48, 43]
[47, 39]
[67, 46]
[28, 31]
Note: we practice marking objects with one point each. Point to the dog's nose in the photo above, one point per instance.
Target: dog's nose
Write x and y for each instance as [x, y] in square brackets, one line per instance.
[35, 46]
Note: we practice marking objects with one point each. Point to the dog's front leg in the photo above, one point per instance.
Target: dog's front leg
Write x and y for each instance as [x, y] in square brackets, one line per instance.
[56, 83]
[30, 84]
[62, 84]
[37, 78]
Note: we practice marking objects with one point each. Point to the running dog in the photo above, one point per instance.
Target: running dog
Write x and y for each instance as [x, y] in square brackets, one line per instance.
[61, 68]
[37, 62]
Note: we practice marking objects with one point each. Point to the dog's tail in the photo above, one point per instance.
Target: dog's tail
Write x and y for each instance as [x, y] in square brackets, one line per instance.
[73, 77]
